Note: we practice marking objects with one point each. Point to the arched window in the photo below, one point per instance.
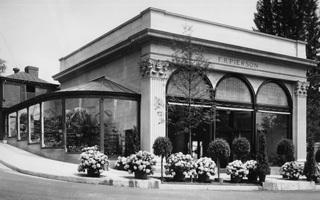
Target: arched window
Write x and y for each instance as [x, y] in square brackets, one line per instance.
[273, 116]
[273, 95]
[233, 89]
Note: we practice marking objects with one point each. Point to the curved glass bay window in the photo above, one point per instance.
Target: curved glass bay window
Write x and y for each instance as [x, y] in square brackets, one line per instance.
[78, 117]
[273, 116]
[189, 92]
[234, 115]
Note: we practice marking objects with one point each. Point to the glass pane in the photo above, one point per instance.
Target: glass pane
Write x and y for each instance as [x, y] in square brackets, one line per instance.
[52, 115]
[275, 127]
[13, 124]
[233, 89]
[82, 123]
[179, 86]
[120, 118]
[23, 124]
[6, 126]
[35, 124]
[233, 124]
[272, 94]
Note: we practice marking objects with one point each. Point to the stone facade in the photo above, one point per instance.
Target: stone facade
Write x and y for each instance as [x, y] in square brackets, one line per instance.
[137, 54]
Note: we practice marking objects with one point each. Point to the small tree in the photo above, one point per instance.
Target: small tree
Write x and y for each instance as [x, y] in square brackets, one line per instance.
[2, 66]
[162, 146]
[241, 147]
[263, 167]
[285, 148]
[310, 164]
[191, 89]
[220, 149]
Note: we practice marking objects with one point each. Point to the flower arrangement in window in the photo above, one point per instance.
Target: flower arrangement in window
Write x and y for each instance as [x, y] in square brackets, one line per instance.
[180, 163]
[142, 161]
[205, 166]
[291, 170]
[93, 161]
[237, 170]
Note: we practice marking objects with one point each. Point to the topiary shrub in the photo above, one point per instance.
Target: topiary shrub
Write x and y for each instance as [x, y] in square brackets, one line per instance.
[310, 164]
[220, 149]
[263, 167]
[162, 147]
[317, 156]
[285, 151]
[241, 147]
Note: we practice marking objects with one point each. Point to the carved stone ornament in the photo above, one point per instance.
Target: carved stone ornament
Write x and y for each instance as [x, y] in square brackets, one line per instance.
[301, 88]
[155, 68]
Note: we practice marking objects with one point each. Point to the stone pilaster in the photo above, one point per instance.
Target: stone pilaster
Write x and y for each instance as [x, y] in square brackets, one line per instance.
[300, 122]
[153, 89]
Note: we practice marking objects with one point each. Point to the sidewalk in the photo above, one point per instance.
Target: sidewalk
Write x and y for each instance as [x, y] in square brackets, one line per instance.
[31, 164]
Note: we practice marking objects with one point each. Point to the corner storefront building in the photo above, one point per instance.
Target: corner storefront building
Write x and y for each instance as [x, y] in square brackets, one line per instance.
[259, 83]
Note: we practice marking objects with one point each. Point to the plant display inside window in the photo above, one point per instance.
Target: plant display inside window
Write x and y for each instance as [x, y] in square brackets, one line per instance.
[82, 129]
[23, 124]
[35, 124]
[52, 123]
[92, 161]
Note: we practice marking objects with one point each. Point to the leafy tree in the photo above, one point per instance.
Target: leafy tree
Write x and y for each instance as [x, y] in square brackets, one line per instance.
[2, 66]
[263, 167]
[191, 87]
[162, 147]
[298, 20]
[310, 164]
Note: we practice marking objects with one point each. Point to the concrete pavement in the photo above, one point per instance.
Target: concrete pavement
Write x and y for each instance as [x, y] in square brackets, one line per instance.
[31, 164]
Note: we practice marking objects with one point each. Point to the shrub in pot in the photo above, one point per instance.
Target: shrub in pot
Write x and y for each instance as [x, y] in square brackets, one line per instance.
[263, 167]
[241, 148]
[162, 147]
[285, 151]
[220, 149]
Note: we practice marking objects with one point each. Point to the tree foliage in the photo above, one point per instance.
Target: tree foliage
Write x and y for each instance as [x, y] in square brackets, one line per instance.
[191, 89]
[310, 164]
[297, 20]
[263, 167]
[2, 66]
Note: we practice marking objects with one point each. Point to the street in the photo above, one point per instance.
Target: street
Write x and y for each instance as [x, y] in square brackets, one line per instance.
[16, 186]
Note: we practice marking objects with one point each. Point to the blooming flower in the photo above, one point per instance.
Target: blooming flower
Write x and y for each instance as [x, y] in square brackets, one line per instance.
[205, 166]
[180, 163]
[291, 169]
[141, 161]
[237, 169]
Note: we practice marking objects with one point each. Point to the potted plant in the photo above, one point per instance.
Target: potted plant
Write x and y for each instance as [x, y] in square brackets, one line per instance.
[162, 147]
[93, 161]
[220, 149]
[141, 164]
[263, 167]
[121, 162]
[180, 165]
[237, 170]
[285, 151]
[292, 170]
[310, 164]
[205, 167]
[240, 147]
[251, 166]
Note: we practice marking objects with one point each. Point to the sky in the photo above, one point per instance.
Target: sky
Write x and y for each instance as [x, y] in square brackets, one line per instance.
[40, 32]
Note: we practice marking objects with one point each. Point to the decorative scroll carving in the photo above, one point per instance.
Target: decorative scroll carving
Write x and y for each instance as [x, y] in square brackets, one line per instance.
[155, 68]
[301, 88]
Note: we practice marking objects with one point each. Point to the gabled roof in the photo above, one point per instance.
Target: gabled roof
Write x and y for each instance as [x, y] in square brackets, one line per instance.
[23, 76]
[100, 84]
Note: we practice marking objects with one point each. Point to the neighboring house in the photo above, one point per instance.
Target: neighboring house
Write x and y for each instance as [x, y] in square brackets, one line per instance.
[19, 87]
[121, 80]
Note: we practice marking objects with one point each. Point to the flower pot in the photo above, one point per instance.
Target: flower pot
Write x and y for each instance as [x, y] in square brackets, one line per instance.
[220, 180]
[262, 178]
[284, 176]
[203, 178]
[140, 175]
[293, 177]
[93, 172]
[312, 178]
[236, 179]
[252, 177]
[179, 177]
